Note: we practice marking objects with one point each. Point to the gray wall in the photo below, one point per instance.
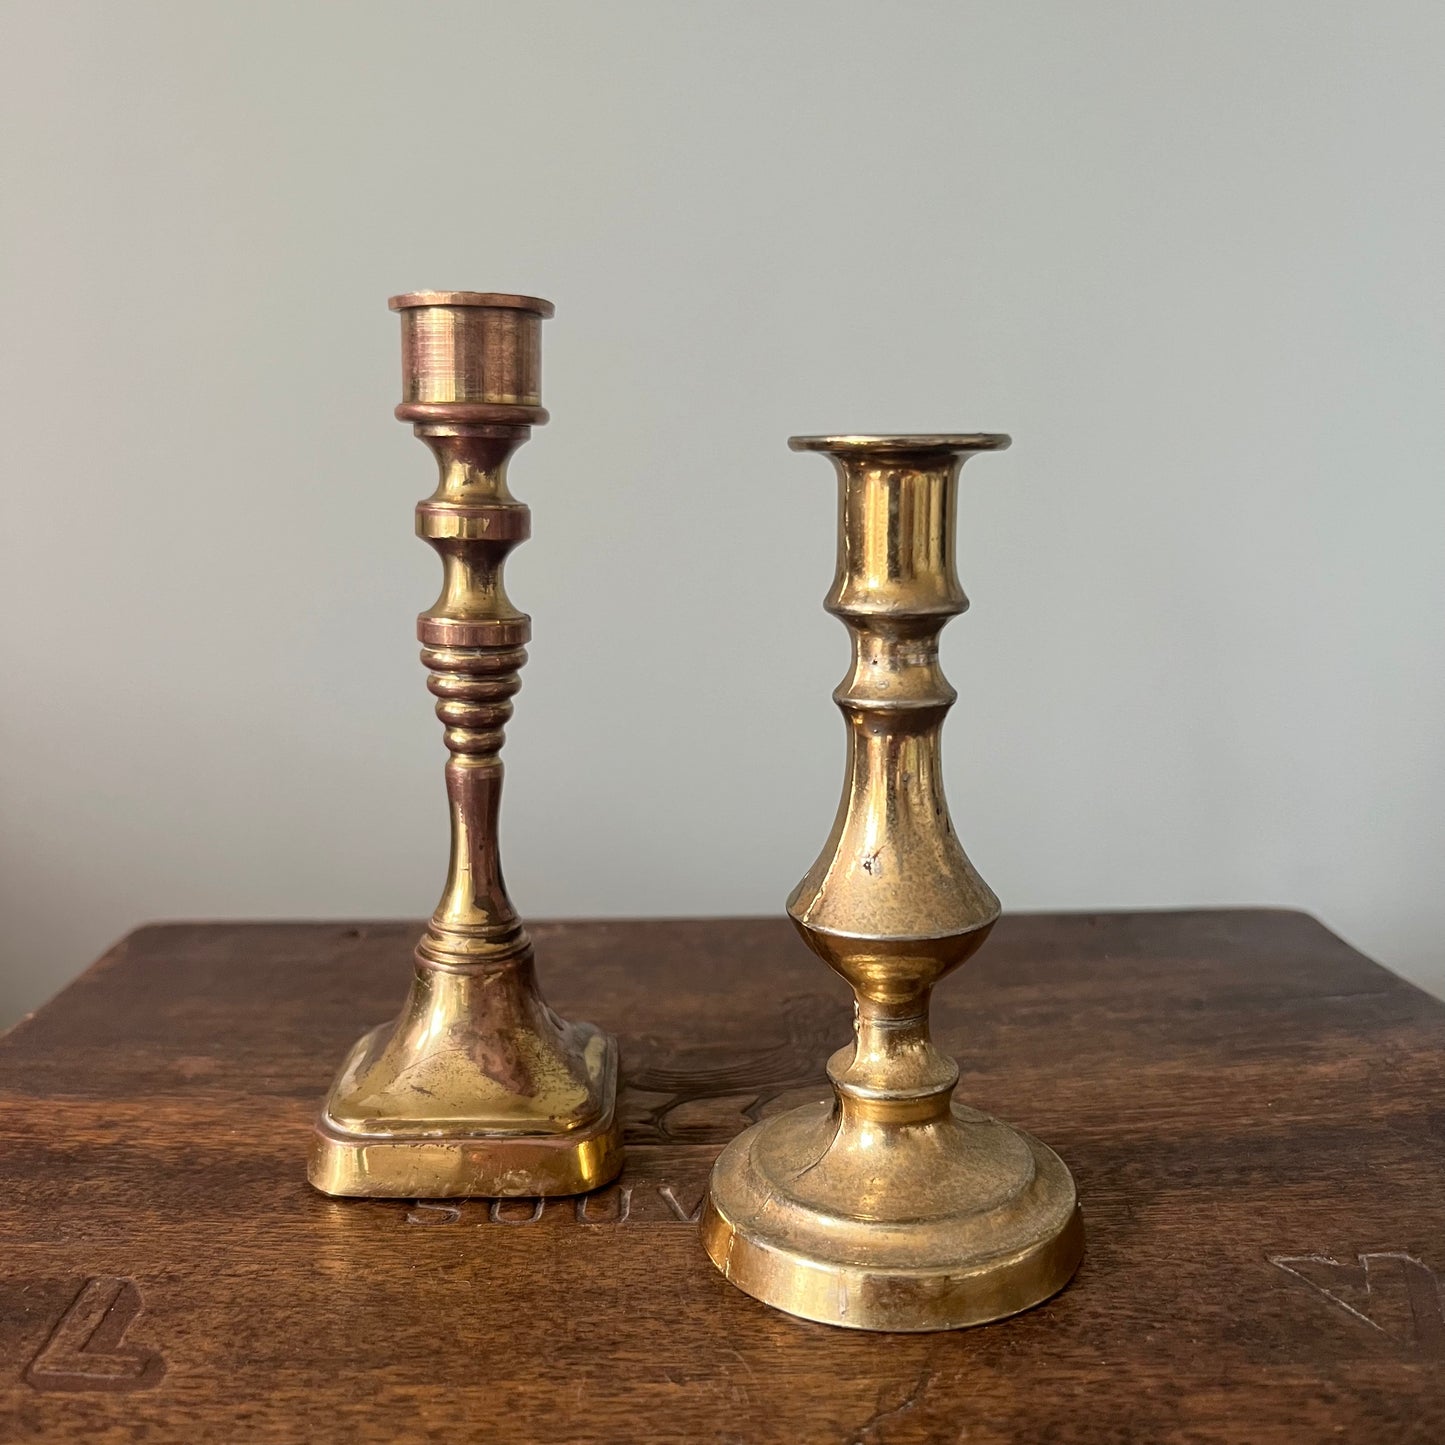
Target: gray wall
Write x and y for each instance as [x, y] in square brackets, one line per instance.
[1188, 253]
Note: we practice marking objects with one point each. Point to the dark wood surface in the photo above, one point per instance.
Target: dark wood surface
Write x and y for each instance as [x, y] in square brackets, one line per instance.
[1255, 1115]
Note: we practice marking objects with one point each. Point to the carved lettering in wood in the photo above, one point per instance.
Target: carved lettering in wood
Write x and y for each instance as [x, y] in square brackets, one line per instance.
[1390, 1292]
[86, 1349]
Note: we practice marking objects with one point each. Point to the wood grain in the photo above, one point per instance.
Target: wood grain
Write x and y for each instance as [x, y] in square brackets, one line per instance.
[1255, 1115]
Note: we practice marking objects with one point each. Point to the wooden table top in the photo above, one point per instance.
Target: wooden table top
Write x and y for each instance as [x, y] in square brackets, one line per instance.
[1255, 1115]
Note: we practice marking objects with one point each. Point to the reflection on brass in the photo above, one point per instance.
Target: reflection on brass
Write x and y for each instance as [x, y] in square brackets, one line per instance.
[478, 1087]
[891, 1207]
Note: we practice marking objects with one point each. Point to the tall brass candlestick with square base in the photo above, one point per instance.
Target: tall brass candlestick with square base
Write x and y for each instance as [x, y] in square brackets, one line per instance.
[891, 1207]
[478, 1087]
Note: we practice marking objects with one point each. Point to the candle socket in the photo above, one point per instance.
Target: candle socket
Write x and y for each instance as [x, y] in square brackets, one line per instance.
[891, 1207]
[477, 1088]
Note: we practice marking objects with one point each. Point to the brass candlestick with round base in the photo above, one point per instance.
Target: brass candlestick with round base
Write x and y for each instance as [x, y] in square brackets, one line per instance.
[478, 1087]
[892, 1207]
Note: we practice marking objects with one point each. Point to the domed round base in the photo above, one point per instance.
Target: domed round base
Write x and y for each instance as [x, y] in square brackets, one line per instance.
[939, 1226]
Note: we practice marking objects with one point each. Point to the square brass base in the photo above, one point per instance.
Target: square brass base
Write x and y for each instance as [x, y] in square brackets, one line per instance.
[461, 1160]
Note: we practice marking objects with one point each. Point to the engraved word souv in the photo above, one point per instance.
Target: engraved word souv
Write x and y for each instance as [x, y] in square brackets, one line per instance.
[651, 1203]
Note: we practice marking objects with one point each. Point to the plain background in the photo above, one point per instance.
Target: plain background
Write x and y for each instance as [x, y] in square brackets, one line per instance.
[1189, 254]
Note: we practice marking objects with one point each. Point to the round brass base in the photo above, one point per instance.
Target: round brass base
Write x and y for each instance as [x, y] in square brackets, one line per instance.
[969, 1220]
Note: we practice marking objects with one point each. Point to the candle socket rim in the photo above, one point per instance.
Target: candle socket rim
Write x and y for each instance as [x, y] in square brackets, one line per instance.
[901, 444]
[494, 300]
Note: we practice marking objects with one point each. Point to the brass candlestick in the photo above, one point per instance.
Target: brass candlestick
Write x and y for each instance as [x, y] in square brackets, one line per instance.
[891, 1207]
[478, 1087]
